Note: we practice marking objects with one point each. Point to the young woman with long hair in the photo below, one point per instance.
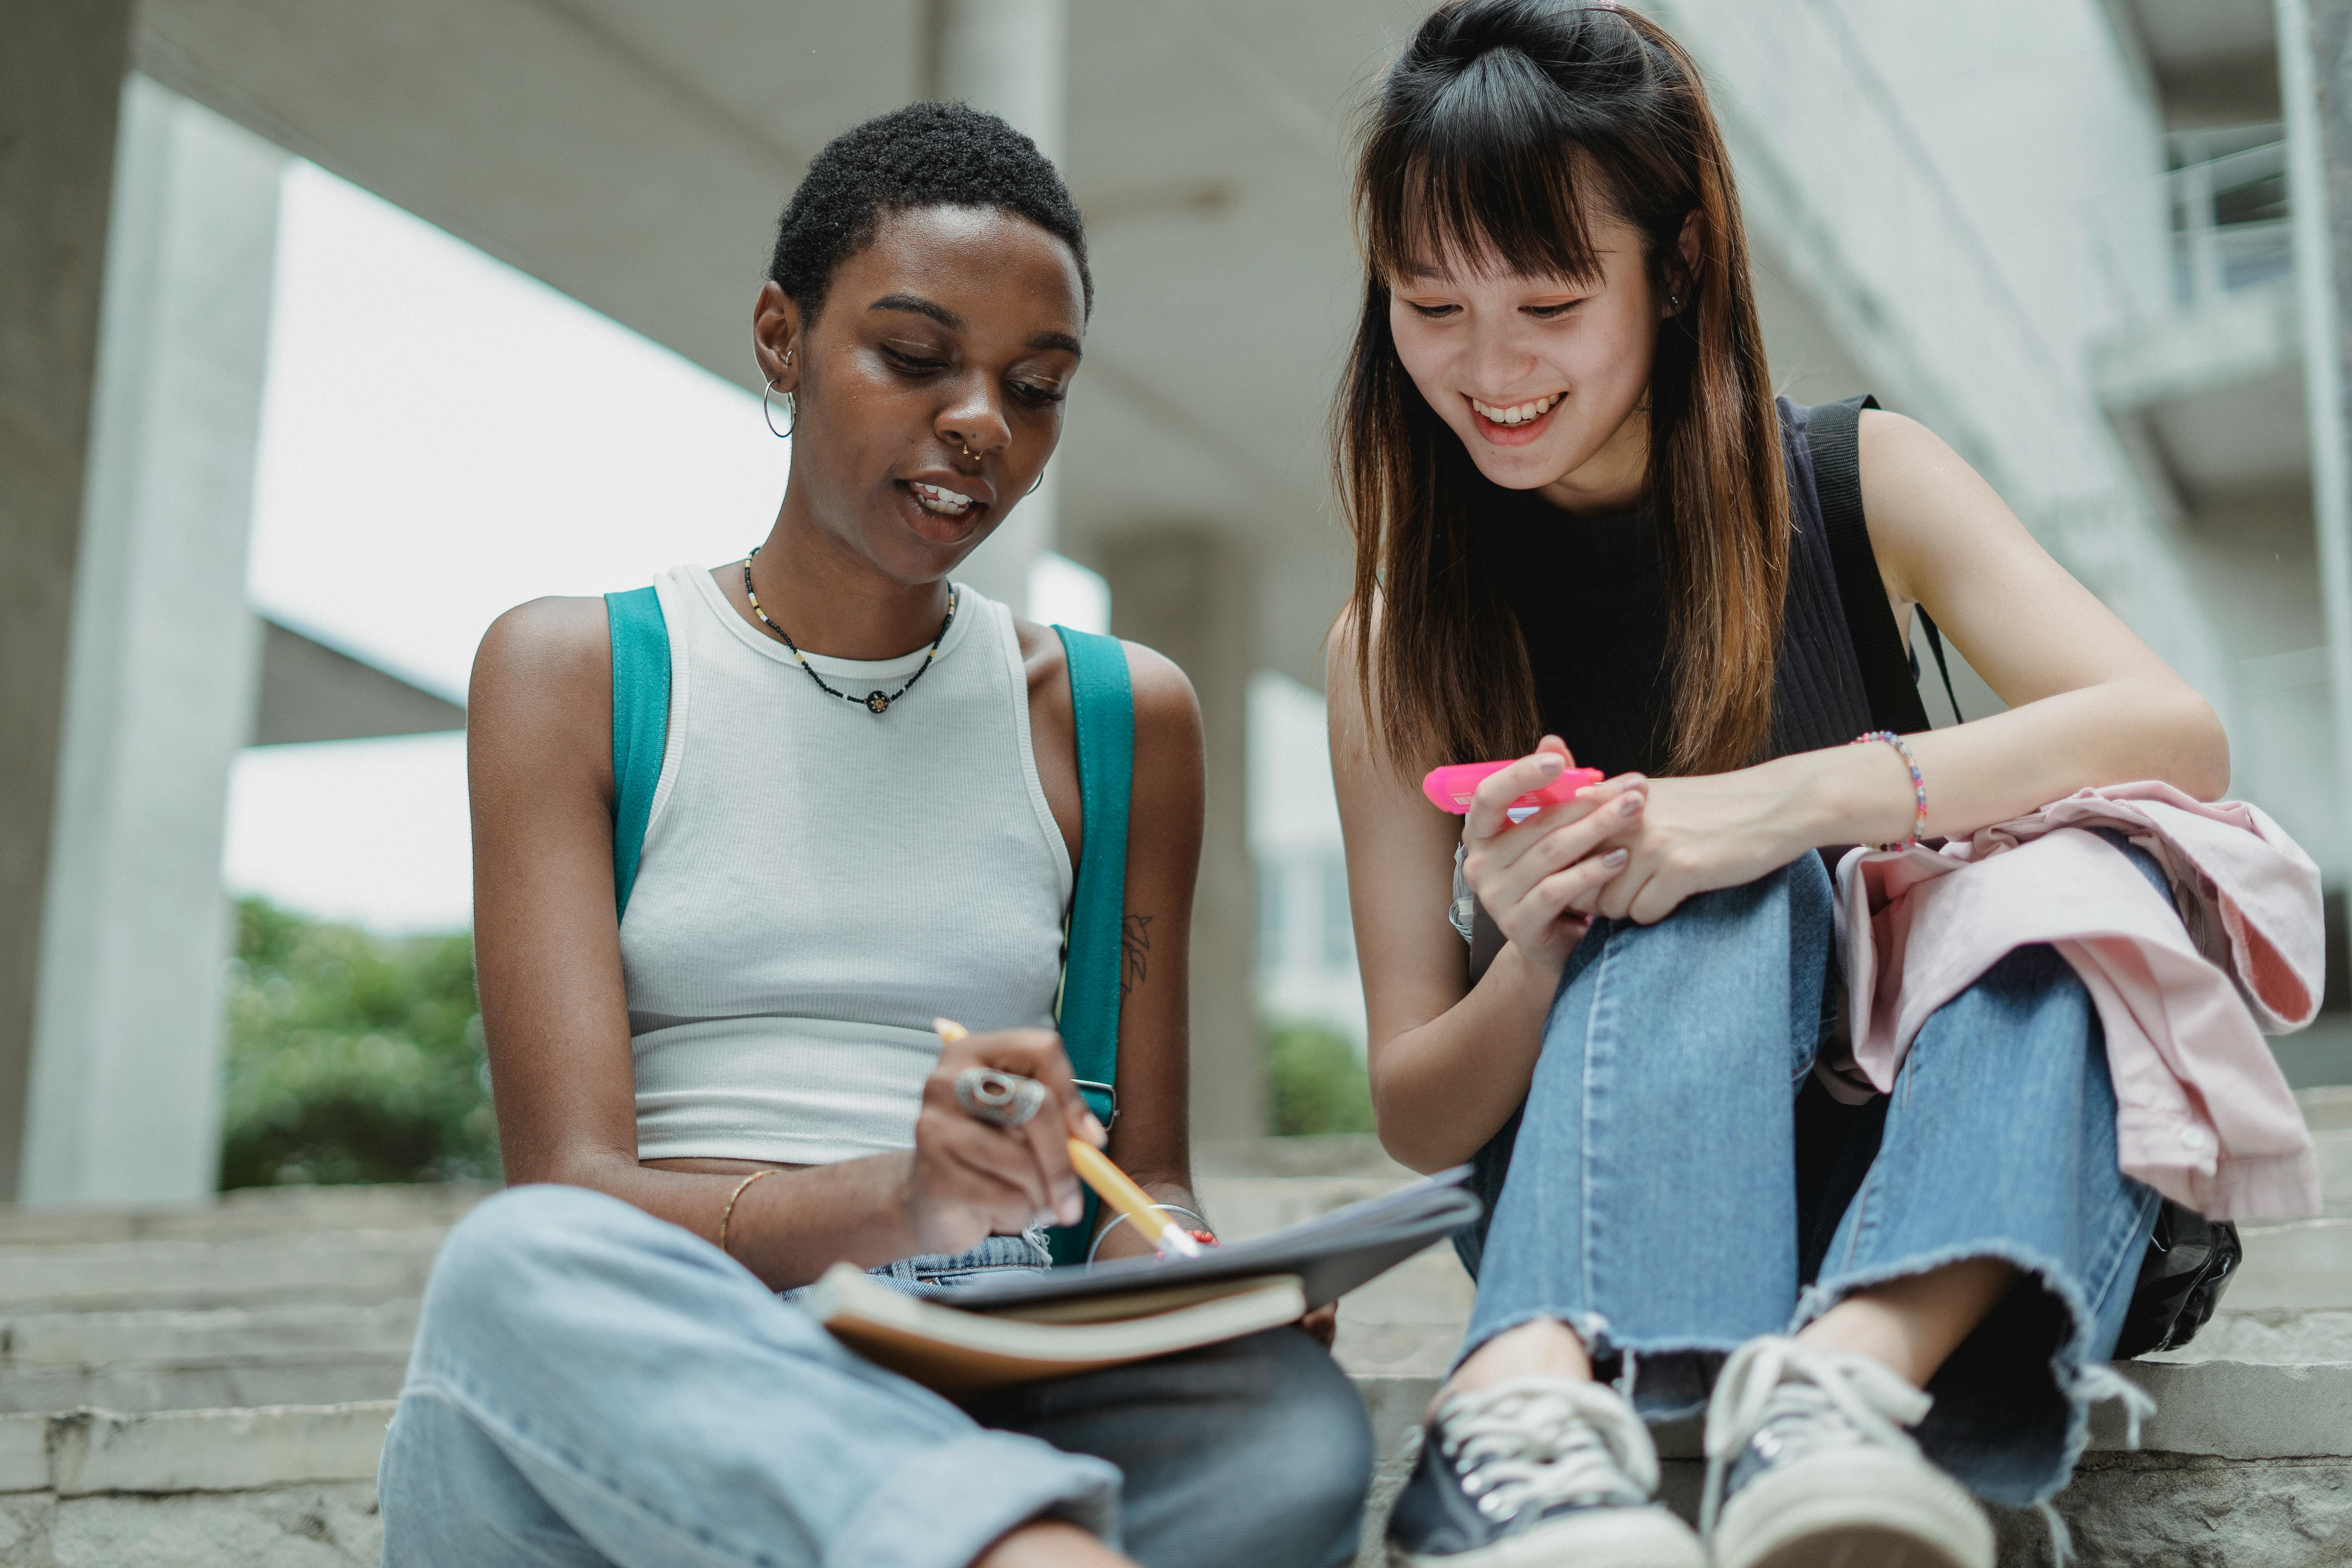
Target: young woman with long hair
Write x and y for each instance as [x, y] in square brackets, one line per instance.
[1583, 522]
[709, 1000]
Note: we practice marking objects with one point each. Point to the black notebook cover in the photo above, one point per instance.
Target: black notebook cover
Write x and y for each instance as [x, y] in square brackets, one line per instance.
[1331, 1254]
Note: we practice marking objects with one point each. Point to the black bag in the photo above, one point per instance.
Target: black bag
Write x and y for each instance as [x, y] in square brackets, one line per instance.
[2189, 1264]
[2190, 1257]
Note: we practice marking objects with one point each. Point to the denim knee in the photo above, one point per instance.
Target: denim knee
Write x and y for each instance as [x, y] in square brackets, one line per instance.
[1305, 1451]
[513, 1241]
[523, 1250]
[1311, 1434]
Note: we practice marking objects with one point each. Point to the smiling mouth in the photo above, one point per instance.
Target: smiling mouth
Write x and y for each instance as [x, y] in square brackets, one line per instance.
[1517, 414]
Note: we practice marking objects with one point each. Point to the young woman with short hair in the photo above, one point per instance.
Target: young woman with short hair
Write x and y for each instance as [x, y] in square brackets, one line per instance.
[867, 817]
[1580, 518]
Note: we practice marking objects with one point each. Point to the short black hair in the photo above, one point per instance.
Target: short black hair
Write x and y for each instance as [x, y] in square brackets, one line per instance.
[925, 154]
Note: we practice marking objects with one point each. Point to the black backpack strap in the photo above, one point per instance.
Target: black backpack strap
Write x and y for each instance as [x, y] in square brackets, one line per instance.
[1936, 647]
[1889, 679]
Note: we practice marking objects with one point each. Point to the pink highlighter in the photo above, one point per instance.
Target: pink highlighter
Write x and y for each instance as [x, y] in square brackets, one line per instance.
[1450, 788]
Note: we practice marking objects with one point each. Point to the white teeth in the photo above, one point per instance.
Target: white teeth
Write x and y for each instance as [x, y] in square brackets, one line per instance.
[1519, 413]
[946, 502]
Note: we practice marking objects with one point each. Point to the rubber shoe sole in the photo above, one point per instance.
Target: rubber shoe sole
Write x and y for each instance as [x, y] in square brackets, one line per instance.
[1647, 1536]
[1854, 1509]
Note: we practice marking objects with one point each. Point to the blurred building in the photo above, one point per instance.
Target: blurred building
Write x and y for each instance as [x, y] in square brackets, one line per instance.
[1306, 939]
[2065, 233]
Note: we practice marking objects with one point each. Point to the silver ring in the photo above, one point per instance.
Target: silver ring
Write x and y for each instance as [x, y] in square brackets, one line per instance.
[1004, 1098]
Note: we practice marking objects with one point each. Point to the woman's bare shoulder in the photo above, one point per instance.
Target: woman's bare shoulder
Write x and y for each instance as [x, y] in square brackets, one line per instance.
[1165, 704]
[551, 642]
[1166, 707]
[543, 679]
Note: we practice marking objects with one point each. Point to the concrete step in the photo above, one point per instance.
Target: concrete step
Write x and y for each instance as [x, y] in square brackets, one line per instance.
[2277, 1336]
[282, 1486]
[2304, 1265]
[2326, 1109]
[2244, 1463]
[186, 1361]
[240, 1356]
[354, 1267]
[251, 1212]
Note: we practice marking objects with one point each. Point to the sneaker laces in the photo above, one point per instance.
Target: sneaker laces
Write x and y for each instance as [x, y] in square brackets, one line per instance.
[1538, 1441]
[1806, 1400]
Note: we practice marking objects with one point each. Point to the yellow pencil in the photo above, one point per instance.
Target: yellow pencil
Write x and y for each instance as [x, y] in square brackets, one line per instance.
[1115, 1187]
[1111, 1183]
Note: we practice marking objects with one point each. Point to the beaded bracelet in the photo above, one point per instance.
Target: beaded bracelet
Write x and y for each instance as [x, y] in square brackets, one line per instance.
[1919, 784]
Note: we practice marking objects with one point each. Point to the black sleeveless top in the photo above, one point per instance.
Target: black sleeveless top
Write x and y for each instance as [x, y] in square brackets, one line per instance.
[1592, 608]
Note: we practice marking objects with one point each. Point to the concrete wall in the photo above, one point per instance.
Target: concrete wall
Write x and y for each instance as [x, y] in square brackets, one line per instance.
[2030, 112]
[125, 1084]
[61, 68]
[1185, 590]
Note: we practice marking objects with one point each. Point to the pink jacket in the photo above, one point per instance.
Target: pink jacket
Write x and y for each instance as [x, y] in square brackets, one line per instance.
[2203, 1114]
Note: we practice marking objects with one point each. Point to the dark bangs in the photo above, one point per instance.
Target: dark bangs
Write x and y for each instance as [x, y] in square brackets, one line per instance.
[1492, 163]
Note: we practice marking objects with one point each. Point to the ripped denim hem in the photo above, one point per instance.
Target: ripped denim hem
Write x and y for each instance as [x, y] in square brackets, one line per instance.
[2079, 1381]
[1665, 1377]
[1590, 1327]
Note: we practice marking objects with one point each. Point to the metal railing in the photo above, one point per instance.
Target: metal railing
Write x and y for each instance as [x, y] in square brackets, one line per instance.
[2224, 225]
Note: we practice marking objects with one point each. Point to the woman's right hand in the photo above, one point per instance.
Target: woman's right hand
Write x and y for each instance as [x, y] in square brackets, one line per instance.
[969, 1179]
[1531, 875]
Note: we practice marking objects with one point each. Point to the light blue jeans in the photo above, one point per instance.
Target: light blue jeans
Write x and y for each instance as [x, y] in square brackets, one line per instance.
[1646, 1194]
[593, 1386]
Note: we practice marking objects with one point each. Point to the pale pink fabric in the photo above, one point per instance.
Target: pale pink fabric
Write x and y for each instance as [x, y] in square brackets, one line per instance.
[2203, 1114]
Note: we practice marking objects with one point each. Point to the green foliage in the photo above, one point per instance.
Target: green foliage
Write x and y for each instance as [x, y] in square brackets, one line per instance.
[1316, 1084]
[351, 1057]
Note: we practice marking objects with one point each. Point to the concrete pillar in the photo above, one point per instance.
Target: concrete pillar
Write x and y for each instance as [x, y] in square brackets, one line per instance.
[61, 70]
[2314, 42]
[1009, 57]
[1191, 594]
[125, 1084]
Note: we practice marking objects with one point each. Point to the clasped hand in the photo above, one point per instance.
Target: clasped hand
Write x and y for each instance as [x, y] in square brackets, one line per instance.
[1630, 848]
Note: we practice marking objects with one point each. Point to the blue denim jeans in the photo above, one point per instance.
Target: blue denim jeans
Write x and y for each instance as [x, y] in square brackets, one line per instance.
[592, 1386]
[1646, 1194]
[937, 1274]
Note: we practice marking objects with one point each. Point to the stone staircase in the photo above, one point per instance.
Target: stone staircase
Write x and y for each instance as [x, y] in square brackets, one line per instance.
[209, 1384]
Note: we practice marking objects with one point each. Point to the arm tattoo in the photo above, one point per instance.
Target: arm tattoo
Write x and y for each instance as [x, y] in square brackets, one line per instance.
[1135, 951]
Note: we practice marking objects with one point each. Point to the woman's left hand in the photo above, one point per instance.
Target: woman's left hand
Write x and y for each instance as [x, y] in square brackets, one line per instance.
[1716, 830]
[1323, 1323]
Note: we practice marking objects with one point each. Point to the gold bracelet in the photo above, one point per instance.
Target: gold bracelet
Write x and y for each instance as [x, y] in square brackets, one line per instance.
[728, 1213]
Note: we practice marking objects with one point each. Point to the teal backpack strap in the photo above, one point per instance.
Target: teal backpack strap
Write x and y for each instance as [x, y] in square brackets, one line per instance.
[1103, 703]
[640, 726]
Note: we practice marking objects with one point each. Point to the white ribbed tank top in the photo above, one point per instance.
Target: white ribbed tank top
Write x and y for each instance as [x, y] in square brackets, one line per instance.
[819, 882]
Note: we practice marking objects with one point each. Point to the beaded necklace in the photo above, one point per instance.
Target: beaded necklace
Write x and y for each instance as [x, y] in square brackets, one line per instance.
[873, 701]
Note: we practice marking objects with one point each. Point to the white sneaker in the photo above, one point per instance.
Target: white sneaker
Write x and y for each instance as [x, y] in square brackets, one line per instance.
[1809, 1448]
[1537, 1472]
